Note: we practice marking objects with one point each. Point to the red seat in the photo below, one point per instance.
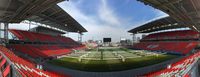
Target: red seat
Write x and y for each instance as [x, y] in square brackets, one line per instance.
[178, 47]
[177, 68]
[20, 61]
[183, 34]
[6, 71]
[3, 62]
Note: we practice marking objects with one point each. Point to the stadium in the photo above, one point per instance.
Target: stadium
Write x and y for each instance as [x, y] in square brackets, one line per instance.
[44, 51]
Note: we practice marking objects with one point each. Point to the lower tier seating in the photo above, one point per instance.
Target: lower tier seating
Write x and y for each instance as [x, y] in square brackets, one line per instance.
[178, 69]
[5, 67]
[24, 67]
[174, 47]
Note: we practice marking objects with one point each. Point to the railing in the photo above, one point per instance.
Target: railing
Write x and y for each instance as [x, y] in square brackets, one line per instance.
[15, 73]
[179, 68]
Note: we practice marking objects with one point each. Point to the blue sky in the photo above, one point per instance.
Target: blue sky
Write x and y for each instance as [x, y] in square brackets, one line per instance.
[109, 18]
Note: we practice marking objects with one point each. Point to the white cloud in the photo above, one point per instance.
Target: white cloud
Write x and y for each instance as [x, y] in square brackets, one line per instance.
[111, 26]
[107, 15]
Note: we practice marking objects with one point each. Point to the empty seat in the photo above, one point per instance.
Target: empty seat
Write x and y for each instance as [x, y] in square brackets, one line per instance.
[24, 67]
[176, 47]
[6, 71]
[177, 68]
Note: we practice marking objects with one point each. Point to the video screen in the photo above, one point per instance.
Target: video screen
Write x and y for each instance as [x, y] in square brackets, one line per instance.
[106, 39]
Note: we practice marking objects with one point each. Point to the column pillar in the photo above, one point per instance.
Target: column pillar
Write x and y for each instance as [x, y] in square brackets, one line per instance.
[29, 25]
[6, 25]
[0, 29]
[80, 37]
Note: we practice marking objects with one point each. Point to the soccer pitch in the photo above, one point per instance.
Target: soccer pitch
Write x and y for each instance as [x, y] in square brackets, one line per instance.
[110, 59]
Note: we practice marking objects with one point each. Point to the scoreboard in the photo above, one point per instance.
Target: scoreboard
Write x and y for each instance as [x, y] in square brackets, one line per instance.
[106, 39]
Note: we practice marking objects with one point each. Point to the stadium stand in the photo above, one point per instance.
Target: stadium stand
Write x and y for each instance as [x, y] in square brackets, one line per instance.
[164, 41]
[178, 18]
[33, 36]
[177, 69]
[24, 67]
[173, 47]
[176, 42]
[62, 45]
[31, 43]
[40, 51]
[183, 34]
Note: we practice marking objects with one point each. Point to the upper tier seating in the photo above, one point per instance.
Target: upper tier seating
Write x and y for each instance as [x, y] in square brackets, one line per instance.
[33, 36]
[164, 43]
[174, 47]
[177, 69]
[24, 67]
[184, 34]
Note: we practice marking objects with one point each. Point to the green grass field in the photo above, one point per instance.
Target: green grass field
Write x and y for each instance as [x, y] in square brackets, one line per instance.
[111, 64]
